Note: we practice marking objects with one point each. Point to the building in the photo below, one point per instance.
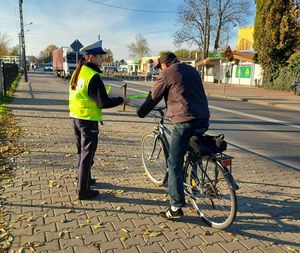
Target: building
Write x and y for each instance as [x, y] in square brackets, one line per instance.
[10, 59]
[245, 38]
[147, 64]
[241, 70]
[134, 66]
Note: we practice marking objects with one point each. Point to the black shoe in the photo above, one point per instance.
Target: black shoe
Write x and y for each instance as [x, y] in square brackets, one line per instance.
[92, 181]
[88, 195]
[169, 214]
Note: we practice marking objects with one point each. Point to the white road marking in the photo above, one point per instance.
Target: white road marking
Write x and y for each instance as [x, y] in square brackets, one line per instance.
[279, 122]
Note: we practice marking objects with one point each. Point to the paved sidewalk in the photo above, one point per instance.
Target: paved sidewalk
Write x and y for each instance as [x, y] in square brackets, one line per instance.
[256, 95]
[41, 202]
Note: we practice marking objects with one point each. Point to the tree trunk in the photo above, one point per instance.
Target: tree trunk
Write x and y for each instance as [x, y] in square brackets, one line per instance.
[217, 40]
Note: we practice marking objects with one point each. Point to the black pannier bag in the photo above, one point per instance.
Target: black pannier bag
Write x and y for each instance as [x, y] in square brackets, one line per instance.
[208, 144]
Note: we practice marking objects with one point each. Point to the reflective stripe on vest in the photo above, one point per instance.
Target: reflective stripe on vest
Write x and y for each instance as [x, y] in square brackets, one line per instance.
[80, 104]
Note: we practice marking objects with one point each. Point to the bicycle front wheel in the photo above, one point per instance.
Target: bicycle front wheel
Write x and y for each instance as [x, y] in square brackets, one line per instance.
[211, 194]
[154, 159]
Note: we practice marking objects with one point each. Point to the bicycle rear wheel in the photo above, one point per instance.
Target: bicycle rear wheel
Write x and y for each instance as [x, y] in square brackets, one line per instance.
[211, 194]
[154, 158]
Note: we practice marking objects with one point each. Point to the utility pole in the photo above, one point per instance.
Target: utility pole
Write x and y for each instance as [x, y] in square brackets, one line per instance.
[23, 42]
[20, 50]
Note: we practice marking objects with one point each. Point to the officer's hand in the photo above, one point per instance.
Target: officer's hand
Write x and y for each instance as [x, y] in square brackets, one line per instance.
[126, 101]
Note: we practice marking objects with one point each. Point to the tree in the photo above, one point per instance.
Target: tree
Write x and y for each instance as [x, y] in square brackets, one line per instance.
[139, 48]
[3, 44]
[33, 59]
[185, 54]
[201, 21]
[194, 18]
[46, 54]
[14, 51]
[108, 58]
[123, 62]
[294, 60]
[276, 34]
[228, 14]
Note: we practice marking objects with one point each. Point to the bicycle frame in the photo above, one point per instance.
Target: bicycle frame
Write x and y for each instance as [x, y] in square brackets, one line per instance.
[161, 131]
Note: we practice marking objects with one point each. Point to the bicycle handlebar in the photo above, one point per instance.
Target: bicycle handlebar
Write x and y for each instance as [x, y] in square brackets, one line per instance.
[160, 110]
[161, 115]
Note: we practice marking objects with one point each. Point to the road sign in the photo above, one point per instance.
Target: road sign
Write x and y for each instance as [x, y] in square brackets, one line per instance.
[76, 45]
[215, 55]
[228, 53]
[243, 71]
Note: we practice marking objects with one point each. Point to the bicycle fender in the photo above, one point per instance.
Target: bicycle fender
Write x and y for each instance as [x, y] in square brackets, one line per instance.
[233, 185]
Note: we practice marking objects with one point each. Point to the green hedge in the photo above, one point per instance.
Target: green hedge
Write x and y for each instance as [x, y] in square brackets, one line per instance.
[283, 77]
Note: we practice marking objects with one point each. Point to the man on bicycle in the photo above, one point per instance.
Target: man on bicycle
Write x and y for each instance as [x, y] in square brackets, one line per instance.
[187, 107]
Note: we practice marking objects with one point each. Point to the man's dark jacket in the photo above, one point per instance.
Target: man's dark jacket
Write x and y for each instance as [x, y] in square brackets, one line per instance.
[181, 86]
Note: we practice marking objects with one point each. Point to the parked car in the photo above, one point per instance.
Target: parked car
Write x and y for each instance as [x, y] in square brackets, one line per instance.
[111, 69]
[295, 88]
[48, 67]
[153, 73]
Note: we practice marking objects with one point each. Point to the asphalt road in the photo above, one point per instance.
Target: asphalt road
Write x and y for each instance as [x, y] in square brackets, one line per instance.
[268, 132]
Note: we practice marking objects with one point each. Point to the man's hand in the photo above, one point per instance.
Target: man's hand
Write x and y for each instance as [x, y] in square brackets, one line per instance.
[126, 101]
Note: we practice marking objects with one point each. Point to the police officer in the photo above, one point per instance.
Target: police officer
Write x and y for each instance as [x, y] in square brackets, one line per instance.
[87, 98]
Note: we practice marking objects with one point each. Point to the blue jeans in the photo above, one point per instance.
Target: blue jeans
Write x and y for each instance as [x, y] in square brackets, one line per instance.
[180, 137]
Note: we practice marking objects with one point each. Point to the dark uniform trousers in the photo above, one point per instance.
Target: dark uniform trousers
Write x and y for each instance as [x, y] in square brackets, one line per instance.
[86, 133]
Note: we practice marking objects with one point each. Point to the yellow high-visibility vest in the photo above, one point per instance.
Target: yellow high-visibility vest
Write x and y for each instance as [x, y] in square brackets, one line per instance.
[80, 104]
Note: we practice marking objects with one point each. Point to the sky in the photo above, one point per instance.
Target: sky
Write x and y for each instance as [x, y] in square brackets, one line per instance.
[60, 22]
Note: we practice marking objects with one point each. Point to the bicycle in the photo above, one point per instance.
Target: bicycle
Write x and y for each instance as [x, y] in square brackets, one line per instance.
[208, 180]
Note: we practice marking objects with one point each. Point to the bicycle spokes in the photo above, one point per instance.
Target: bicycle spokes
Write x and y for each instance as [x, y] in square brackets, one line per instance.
[211, 194]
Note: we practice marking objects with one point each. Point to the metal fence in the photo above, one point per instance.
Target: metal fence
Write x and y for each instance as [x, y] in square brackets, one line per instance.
[8, 74]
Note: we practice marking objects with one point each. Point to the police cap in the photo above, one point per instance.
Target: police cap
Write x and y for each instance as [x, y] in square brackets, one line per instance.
[95, 48]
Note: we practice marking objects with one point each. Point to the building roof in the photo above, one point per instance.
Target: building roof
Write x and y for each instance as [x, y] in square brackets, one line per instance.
[242, 56]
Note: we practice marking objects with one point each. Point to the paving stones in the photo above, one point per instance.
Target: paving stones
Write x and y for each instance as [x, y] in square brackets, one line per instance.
[126, 212]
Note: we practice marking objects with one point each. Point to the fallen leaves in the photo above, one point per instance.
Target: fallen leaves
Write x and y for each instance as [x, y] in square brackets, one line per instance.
[115, 192]
[123, 238]
[155, 234]
[53, 184]
[97, 226]
[61, 234]
[96, 245]
[6, 237]
[125, 230]
[290, 249]
[152, 234]
[206, 232]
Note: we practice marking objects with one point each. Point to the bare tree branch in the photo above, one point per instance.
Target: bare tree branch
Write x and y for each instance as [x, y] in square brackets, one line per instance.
[139, 48]
[202, 22]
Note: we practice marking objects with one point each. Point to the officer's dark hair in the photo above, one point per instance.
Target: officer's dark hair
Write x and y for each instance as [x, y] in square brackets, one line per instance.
[76, 73]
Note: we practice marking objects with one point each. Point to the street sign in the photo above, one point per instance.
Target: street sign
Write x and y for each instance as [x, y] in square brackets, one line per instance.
[228, 53]
[243, 71]
[76, 45]
[215, 55]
